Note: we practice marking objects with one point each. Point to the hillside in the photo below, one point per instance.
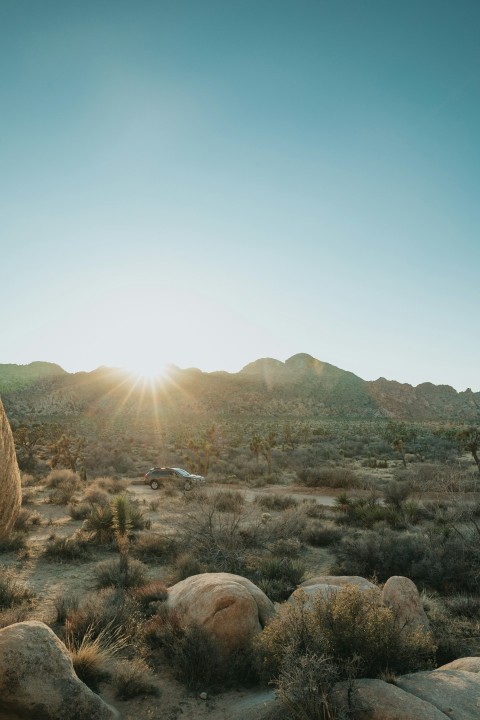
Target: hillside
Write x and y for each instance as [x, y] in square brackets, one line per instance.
[301, 388]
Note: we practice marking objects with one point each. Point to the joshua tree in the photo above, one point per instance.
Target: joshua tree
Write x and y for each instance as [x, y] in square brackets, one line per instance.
[256, 444]
[268, 444]
[122, 525]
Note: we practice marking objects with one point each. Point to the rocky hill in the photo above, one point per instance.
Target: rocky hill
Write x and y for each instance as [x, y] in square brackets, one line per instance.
[302, 387]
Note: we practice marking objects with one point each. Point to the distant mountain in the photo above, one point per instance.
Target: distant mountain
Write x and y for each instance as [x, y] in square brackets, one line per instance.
[266, 390]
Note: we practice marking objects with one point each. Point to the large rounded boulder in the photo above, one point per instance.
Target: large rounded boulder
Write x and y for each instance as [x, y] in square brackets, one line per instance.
[400, 594]
[37, 679]
[229, 607]
[10, 487]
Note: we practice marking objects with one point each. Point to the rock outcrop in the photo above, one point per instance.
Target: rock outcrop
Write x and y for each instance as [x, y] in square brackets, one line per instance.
[378, 700]
[37, 679]
[10, 487]
[230, 607]
[455, 692]
[400, 594]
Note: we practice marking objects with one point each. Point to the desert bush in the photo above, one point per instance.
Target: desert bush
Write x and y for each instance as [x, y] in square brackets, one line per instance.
[64, 604]
[304, 688]
[153, 592]
[28, 481]
[79, 511]
[185, 565]
[132, 678]
[320, 534]
[27, 519]
[109, 611]
[275, 502]
[193, 654]
[113, 573]
[12, 591]
[62, 478]
[154, 547]
[464, 604]
[111, 485]
[95, 495]
[28, 496]
[437, 560]
[14, 542]
[12, 615]
[396, 493]
[277, 576]
[228, 500]
[73, 548]
[92, 656]
[332, 477]
[350, 627]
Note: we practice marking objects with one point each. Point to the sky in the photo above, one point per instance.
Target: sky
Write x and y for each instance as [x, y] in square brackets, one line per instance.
[208, 182]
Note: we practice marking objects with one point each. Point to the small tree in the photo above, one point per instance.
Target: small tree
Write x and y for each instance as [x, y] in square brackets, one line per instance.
[268, 444]
[256, 444]
[466, 439]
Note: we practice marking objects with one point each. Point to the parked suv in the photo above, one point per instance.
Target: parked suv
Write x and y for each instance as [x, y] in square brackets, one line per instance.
[157, 476]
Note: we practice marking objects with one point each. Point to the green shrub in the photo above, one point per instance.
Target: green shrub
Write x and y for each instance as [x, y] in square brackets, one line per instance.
[100, 524]
[282, 574]
[79, 511]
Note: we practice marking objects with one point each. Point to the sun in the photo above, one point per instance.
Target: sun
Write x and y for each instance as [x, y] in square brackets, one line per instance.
[147, 369]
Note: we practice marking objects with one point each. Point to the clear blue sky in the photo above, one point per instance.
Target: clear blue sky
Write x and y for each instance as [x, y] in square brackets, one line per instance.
[206, 182]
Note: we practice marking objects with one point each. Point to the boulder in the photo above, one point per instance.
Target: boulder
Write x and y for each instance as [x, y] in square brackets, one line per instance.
[327, 586]
[338, 580]
[10, 486]
[230, 607]
[400, 594]
[454, 692]
[469, 664]
[378, 700]
[37, 679]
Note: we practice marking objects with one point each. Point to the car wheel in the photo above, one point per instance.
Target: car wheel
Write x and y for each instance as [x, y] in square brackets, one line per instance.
[154, 484]
[188, 485]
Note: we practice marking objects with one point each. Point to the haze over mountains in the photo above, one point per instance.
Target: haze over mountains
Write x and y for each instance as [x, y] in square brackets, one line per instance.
[302, 387]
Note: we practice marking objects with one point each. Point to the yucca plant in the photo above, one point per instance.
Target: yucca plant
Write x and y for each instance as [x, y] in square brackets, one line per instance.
[122, 524]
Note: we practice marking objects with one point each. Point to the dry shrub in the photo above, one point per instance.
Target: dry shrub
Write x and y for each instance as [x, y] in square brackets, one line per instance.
[132, 678]
[14, 542]
[193, 654]
[275, 502]
[110, 610]
[350, 627]
[12, 615]
[73, 548]
[12, 591]
[154, 547]
[66, 603]
[92, 656]
[113, 573]
[109, 484]
[26, 520]
[228, 500]
[331, 477]
[155, 591]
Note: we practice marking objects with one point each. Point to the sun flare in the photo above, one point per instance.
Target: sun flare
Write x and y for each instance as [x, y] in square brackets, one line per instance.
[147, 369]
